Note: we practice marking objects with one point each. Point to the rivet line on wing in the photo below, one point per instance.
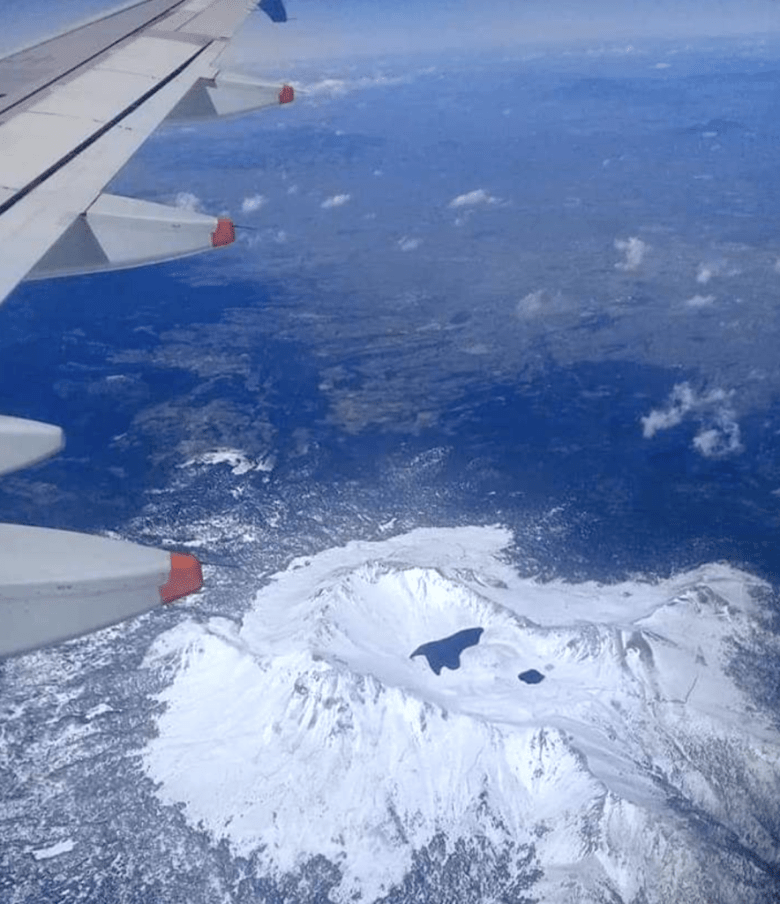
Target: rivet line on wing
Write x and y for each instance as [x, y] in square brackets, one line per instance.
[95, 136]
[61, 75]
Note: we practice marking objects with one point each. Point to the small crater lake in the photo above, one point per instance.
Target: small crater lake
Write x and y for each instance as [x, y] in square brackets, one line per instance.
[446, 652]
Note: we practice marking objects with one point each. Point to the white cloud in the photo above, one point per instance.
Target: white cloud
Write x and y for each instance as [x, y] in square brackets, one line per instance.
[337, 87]
[634, 250]
[262, 237]
[718, 434]
[187, 201]
[472, 198]
[720, 441]
[407, 244]
[531, 303]
[335, 201]
[706, 271]
[609, 50]
[253, 203]
[700, 301]
[777, 266]
[662, 65]
[681, 401]
[328, 86]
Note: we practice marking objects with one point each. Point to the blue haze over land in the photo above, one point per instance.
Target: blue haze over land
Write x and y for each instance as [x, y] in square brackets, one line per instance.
[536, 288]
[502, 344]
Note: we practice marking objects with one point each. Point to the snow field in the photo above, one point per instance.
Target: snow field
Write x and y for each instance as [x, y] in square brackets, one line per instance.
[309, 730]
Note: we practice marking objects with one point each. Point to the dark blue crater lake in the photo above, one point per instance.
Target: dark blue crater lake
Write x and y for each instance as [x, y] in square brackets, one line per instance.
[446, 652]
[531, 676]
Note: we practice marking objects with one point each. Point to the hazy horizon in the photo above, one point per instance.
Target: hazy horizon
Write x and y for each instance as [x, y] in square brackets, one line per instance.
[326, 30]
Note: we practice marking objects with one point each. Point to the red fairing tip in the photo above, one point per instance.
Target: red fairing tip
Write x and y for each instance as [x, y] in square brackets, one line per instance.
[286, 95]
[186, 577]
[224, 234]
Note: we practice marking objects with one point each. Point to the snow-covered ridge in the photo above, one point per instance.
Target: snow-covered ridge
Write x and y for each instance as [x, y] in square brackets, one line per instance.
[311, 730]
[239, 462]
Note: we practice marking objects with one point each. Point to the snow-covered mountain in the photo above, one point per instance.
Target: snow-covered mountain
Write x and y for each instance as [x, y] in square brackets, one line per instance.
[639, 770]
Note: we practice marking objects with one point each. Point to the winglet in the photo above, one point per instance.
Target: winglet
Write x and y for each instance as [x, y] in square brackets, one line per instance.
[186, 577]
[274, 9]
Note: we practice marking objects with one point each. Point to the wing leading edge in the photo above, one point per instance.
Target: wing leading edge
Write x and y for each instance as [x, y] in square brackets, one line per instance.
[73, 110]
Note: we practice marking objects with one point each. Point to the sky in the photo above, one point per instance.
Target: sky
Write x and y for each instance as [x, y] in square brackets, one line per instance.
[322, 29]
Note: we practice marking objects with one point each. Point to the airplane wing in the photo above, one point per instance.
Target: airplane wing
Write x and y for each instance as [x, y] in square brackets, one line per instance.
[73, 110]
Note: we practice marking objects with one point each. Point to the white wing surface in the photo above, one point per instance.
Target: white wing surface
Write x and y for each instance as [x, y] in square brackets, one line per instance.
[73, 110]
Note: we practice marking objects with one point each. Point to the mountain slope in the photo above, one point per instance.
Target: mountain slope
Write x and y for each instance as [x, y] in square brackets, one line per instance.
[637, 769]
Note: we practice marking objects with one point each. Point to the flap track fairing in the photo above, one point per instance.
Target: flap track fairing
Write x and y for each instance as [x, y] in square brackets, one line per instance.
[24, 443]
[57, 584]
[228, 94]
[116, 233]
